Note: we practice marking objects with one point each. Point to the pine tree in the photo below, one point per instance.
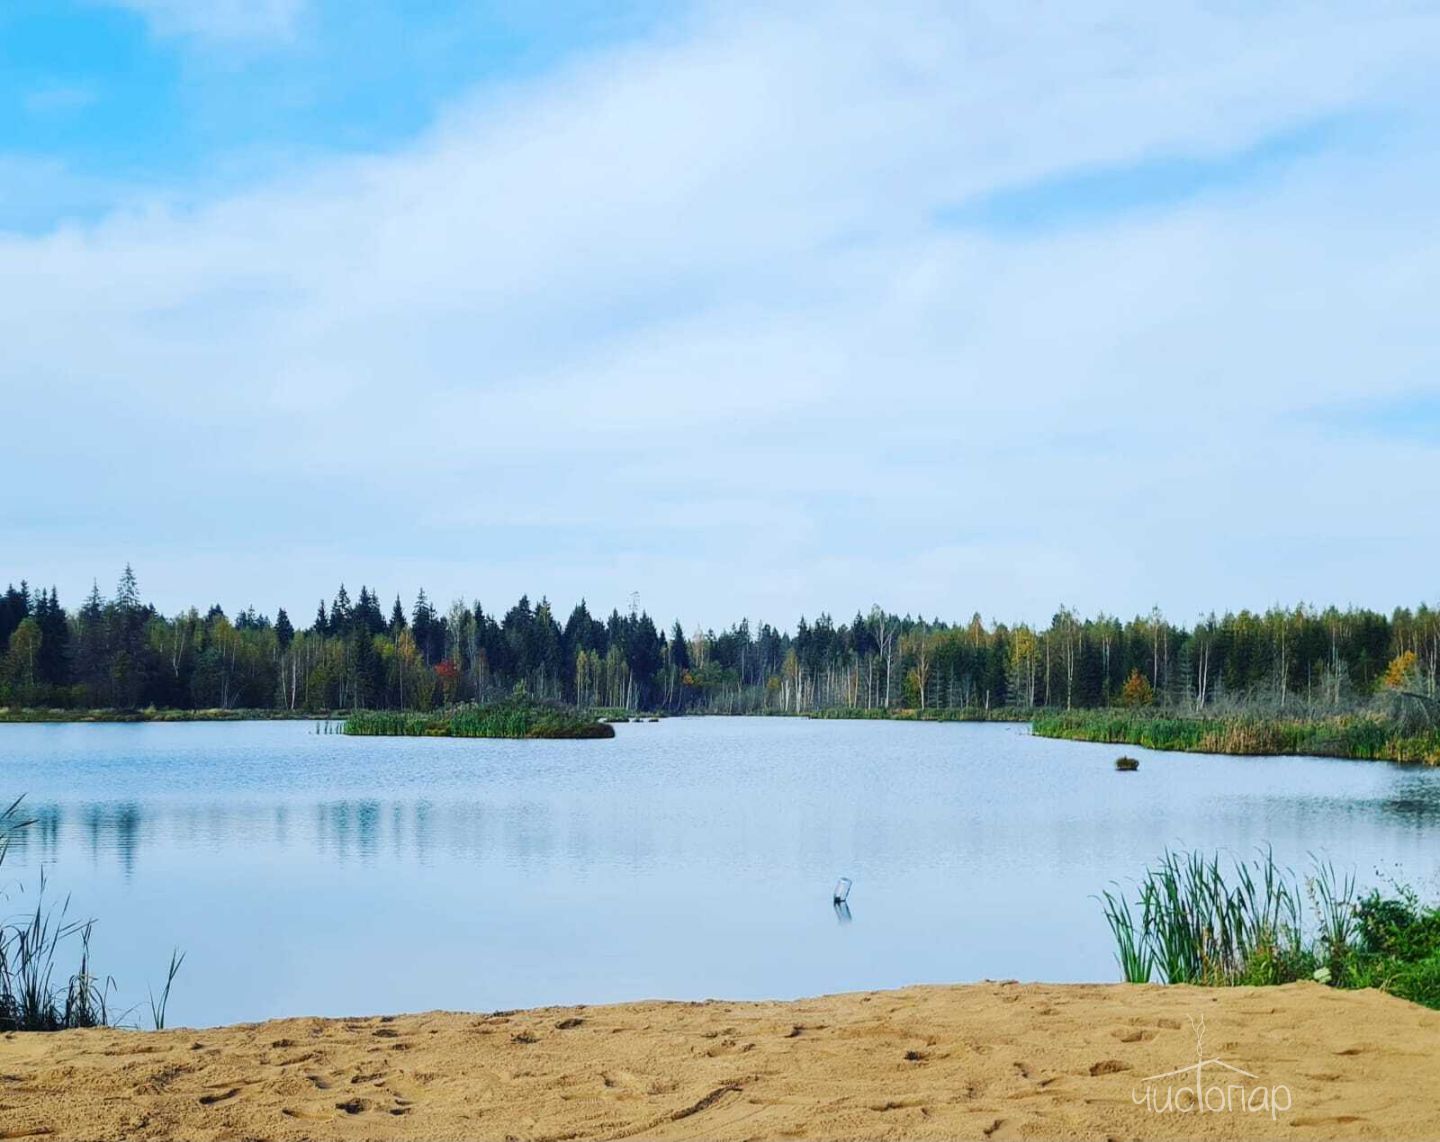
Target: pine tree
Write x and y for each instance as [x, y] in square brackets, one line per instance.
[127, 594]
[284, 632]
[14, 608]
[54, 661]
[367, 613]
[340, 611]
[423, 625]
[92, 658]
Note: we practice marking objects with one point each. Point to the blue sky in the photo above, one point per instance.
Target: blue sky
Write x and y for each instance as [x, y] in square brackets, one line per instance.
[182, 99]
[756, 309]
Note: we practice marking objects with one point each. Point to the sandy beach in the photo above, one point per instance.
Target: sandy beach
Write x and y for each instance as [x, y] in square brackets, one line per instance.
[992, 1060]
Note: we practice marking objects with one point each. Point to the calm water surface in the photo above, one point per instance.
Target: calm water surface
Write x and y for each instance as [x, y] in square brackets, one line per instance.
[313, 874]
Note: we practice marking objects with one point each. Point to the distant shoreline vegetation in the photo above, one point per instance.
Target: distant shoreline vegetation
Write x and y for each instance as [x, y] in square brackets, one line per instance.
[51, 714]
[907, 714]
[511, 718]
[1361, 737]
[1356, 737]
[1356, 683]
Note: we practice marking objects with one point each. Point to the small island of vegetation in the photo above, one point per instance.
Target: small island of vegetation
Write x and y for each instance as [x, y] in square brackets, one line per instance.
[516, 717]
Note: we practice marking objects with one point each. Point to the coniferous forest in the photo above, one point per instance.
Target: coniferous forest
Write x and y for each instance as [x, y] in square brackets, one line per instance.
[118, 652]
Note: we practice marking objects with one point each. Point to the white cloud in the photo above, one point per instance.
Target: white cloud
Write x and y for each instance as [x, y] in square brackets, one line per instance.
[222, 21]
[59, 99]
[701, 282]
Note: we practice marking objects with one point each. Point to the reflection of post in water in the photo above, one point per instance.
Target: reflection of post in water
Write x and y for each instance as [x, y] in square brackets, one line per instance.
[348, 827]
[42, 834]
[842, 896]
[116, 826]
[842, 912]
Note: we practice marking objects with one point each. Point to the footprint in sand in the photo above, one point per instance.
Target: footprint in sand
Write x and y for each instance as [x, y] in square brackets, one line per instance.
[1334, 1120]
[899, 1104]
[622, 1084]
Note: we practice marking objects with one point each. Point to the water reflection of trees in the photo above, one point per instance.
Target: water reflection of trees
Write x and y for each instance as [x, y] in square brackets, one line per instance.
[535, 833]
[364, 830]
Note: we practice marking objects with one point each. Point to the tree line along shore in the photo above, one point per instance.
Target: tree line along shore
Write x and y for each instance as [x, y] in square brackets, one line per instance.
[1301, 679]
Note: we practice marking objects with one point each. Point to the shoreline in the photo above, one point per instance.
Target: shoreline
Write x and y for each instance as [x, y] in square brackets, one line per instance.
[1348, 737]
[42, 716]
[1343, 737]
[987, 1060]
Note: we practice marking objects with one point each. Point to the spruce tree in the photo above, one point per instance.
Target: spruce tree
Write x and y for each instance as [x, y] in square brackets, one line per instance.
[284, 632]
[340, 611]
[54, 661]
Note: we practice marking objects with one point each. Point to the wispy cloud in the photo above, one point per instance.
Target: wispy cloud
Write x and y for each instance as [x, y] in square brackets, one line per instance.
[706, 280]
[1159, 183]
[1413, 417]
[59, 99]
[220, 21]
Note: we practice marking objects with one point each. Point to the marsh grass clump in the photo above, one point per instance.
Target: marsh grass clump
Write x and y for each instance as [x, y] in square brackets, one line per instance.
[911, 714]
[31, 996]
[1194, 925]
[515, 717]
[621, 714]
[1197, 921]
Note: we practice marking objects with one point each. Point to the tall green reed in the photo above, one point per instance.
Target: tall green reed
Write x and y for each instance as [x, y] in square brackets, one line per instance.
[32, 996]
[1197, 922]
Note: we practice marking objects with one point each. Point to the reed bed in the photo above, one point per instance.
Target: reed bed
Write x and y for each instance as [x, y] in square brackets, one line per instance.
[149, 714]
[936, 714]
[1367, 737]
[32, 998]
[507, 719]
[1197, 920]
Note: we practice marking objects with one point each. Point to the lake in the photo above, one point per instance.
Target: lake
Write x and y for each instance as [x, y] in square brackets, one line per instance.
[305, 873]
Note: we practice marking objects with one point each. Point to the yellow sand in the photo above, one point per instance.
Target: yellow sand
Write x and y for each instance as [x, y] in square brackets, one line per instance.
[984, 1061]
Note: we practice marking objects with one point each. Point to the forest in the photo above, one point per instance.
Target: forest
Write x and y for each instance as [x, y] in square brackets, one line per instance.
[118, 652]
